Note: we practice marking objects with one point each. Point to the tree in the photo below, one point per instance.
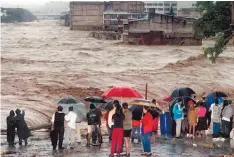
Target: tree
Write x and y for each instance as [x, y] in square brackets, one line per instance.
[216, 22]
[204, 6]
[216, 18]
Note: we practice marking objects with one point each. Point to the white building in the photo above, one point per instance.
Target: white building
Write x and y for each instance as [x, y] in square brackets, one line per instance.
[162, 7]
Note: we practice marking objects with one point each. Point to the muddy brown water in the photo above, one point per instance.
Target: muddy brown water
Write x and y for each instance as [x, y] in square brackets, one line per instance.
[42, 62]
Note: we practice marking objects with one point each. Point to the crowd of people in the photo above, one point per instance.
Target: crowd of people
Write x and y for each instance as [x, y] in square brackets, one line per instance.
[125, 126]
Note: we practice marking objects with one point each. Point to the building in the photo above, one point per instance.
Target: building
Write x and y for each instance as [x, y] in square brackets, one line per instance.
[189, 12]
[93, 15]
[86, 15]
[162, 7]
[161, 29]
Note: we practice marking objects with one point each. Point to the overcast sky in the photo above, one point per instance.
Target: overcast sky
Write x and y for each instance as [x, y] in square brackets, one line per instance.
[5, 3]
[27, 2]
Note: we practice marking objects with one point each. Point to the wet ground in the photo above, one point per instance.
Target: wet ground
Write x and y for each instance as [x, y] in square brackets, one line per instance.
[39, 145]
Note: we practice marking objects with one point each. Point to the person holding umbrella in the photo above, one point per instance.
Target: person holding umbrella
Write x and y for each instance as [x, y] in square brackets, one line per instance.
[226, 118]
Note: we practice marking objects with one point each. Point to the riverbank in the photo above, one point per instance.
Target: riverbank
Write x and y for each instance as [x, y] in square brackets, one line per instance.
[39, 145]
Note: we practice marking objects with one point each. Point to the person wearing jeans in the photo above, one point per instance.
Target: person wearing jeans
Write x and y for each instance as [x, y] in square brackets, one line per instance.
[147, 126]
[178, 115]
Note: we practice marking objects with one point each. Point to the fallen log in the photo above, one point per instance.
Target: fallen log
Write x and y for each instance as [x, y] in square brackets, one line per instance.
[33, 128]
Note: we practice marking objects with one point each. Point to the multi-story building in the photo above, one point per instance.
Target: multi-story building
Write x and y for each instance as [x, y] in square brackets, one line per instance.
[161, 7]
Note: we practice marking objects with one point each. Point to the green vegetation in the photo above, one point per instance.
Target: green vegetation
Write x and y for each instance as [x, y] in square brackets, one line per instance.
[9, 15]
[216, 17]
[216, 22]
[213, 52]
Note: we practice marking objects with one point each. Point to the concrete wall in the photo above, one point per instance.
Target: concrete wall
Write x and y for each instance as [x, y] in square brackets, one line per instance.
[189, 13]
[163, 24]
[86, 15]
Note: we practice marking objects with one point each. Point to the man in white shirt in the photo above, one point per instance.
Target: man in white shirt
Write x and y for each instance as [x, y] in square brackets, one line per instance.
[216, 110]
[70, 131]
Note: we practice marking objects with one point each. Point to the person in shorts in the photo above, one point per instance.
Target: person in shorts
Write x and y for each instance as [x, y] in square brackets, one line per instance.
[127, 125]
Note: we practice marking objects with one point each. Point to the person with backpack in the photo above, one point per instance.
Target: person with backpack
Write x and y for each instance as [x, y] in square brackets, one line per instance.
[93, 119]
[57, 128]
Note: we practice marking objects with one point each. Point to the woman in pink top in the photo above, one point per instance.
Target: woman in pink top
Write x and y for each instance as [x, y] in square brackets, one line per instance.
[202, 122]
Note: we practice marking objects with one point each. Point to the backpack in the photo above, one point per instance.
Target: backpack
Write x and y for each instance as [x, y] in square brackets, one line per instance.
[92, 117]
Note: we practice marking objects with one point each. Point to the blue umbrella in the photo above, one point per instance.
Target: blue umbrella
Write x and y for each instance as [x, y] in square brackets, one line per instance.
[211, 99]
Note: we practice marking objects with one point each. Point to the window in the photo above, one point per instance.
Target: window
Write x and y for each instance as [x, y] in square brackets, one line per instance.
[160, 4]
[160, 9]
[149, 4]
[166, 4]
[174, 4]
[167, 9]
[155, 4]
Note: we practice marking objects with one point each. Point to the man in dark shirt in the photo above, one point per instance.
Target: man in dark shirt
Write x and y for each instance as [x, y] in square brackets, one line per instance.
[58, 128]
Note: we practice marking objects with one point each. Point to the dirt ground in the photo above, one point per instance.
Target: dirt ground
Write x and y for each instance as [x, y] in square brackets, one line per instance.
[41, 62]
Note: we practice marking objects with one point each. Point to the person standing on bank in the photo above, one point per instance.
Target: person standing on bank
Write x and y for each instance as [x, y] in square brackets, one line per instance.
[178, 115]
[117, 132]
[57, 121]
[127, 125]
[11, 128]
[70, 131]
[22, 127]
[226, 118]
[147, 126]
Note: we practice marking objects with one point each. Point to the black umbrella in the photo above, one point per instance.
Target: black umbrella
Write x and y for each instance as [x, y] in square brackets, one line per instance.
[95, 99]
[185, 101]
[108, 105]
[217, 94]
[78, 107]
[68, 100]
[179, 92]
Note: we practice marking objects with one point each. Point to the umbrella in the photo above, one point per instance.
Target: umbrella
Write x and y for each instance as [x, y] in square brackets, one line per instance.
[210, 100]
[136, 108]
[121, 92]
[182, 92]
[168, 99]
[95, 99]
[78, 107]
[217, 94]
[142, 103]
[107, 106]
[185, 101]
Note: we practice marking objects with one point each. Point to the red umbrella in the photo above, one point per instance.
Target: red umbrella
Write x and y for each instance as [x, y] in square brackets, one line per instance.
[168, 99]
[121, 92]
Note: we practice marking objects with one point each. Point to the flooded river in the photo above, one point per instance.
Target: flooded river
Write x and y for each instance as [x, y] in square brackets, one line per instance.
[42, 62]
